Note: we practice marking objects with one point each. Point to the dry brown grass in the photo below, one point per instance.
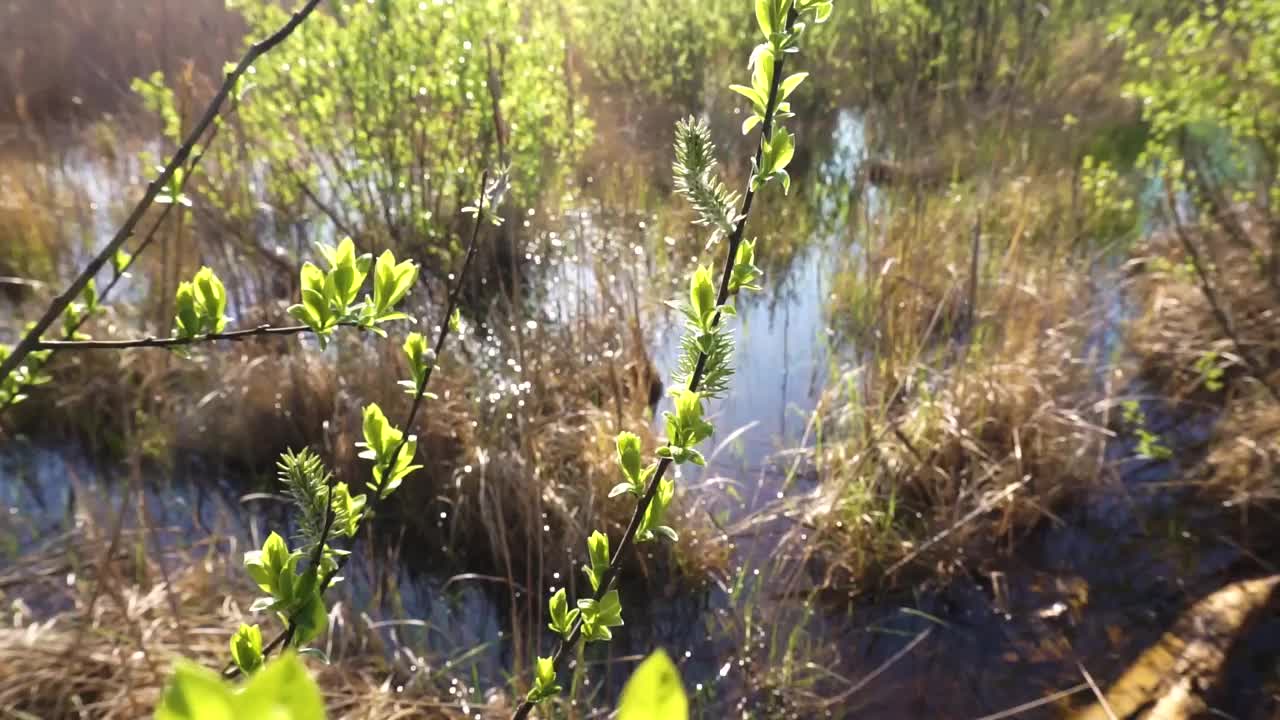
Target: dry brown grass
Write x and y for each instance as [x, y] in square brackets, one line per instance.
[1183, 348]
[1244, 454]
[978, 412]
[513, 483]
[966, 262]
[1178, 326]
[499, 480]
[69, 57]
[37, 204]
[109, 652]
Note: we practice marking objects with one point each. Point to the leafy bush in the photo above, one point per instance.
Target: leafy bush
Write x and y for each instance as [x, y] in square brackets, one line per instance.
[381, 117]
[1209, 86]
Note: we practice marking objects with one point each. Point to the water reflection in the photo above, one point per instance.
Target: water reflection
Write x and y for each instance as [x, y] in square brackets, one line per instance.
[438, 621]
[1091, 585]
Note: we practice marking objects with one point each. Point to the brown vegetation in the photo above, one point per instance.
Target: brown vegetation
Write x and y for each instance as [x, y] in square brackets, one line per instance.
[68, 57]
[979, 409]
[1217, 350]
[109, 653]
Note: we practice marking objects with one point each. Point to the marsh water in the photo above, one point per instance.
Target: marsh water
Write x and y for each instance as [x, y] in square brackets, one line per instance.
[1092, 587]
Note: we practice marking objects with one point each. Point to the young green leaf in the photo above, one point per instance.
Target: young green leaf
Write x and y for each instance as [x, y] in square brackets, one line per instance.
[246, 648]
[757, 100]
[629, 458]
[310, 618]
[196, 693]
[187, 318]
[274, 569]
[686, 426]
[745, 275]
[792, 82]
[392, 462]
[120, 260]
[762, 71]
[379, 436]
[211, 301]
[702, 297]
[765, 17]
[599, 616]
[347, 510]
[89, 296]
[780, 149]
[421, 357]
[822, 11]
[392, 281]
[562, 618]
[652, 524]
[544, 680]
[275, 553]
[282, 690]
[654, 692]
[598, 552]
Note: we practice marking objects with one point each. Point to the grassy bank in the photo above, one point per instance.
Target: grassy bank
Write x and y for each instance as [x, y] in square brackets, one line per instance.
[1006, 326]
[121, 620]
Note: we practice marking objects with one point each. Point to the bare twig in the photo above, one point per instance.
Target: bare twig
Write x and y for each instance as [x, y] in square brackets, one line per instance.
[170, 342]
[31, 340]
[1097, 692]
[1211, 296]
[884, 666]
[1046, 700]
[324, 207]
[455, 296]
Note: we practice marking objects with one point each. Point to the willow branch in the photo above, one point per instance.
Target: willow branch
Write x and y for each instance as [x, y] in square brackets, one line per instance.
[171, 342]
[316, 558]
[695, 380]
[455, 297]
[122, 271]
[30, 341]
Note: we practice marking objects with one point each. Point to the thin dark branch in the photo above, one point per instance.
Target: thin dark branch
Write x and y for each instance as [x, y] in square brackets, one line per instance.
[169, 342]
[122, 271]
[455, 296]
[324, 208]
[695, 379]
[30, 341]
[1207, 289]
